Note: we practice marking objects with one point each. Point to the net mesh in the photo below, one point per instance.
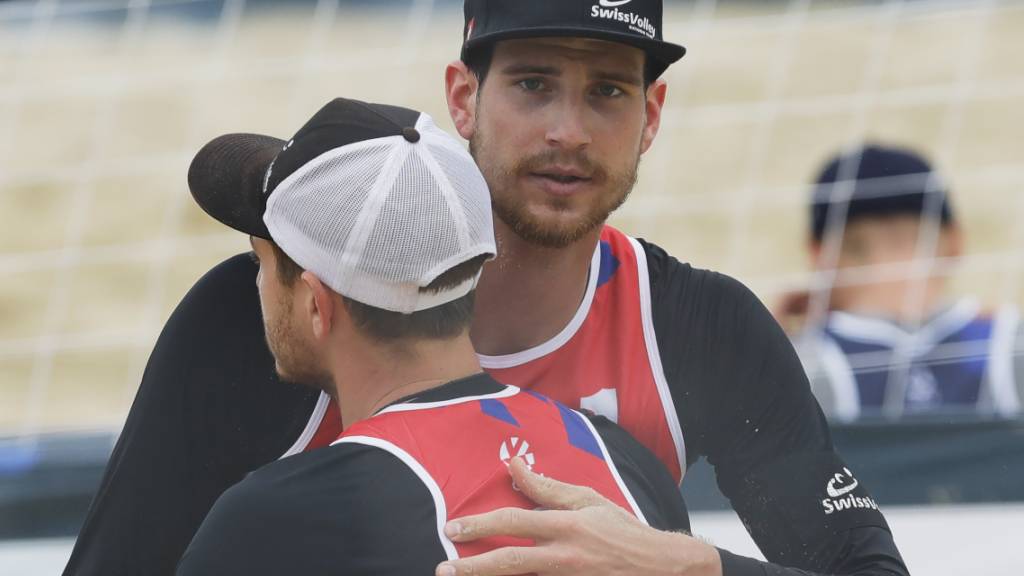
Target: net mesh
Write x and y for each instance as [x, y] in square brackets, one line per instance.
[103, 103]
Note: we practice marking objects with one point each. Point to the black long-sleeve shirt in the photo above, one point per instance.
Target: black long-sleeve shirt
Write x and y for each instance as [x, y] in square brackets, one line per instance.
[210, 410]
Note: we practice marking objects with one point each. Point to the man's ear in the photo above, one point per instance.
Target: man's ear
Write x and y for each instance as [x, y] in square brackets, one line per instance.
[318, 304]
[655, 102]
[460, 89]
[951, 241]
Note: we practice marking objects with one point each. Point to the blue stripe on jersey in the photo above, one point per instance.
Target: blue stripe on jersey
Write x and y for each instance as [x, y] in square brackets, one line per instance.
[579, 433]
[497, 409]
[609, 264]
[538, 396]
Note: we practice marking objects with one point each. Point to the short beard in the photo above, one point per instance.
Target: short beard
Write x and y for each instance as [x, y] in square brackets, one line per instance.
[294, 361]
[511, 210]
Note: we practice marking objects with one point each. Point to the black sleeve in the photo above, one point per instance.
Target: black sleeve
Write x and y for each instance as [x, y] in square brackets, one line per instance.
[744, 403]
[209, 410]
[348, 509]
[646, 478]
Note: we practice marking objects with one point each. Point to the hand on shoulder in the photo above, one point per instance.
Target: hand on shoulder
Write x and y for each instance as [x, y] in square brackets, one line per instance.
[579, 532]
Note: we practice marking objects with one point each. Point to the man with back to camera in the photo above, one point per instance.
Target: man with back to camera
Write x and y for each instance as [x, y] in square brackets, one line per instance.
[371, 226]
[558, 100]
[892, 342]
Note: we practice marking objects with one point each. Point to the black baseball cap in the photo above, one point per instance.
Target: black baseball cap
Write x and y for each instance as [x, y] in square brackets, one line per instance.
[634, 22]
[888, 180]
[232, 177]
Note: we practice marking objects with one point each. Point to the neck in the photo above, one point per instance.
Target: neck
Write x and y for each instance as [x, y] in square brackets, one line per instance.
[367, 377]
[529, 293]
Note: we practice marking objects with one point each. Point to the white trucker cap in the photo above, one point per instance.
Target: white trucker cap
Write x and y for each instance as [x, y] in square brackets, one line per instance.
[375, 200]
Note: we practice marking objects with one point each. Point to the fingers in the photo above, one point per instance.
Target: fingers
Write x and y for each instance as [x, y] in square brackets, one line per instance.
[514, 522]
[551, 493]
[501, 562]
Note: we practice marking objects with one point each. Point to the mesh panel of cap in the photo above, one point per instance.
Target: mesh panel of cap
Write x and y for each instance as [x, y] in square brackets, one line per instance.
[380, 219]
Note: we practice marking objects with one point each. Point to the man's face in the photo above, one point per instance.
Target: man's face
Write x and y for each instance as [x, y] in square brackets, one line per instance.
[291, 345]
[560, 126]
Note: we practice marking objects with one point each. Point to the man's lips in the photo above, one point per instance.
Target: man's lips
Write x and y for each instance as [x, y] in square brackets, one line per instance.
[561, 180]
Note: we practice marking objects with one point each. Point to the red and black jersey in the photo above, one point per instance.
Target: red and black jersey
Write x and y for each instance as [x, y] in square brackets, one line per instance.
[606, 360]
[667, 343]
[376, 500]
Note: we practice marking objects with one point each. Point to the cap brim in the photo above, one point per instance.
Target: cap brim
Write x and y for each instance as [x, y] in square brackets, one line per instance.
[664, 53]
[226, 179]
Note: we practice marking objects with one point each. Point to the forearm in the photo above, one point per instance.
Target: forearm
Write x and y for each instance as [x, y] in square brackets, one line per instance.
[867, 551]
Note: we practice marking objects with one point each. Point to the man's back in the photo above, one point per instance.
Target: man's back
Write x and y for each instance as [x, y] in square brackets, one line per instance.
[375, 501]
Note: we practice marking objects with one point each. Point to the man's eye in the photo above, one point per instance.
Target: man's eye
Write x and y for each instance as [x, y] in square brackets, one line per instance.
[531, 84]
[255, 259]
[609, 91]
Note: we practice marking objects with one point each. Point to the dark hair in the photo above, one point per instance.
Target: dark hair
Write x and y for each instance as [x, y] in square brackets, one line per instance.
[479, 63]
[440, 322]
[287, 269]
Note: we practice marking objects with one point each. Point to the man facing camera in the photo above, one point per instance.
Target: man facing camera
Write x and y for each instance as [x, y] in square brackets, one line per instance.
[371, 227]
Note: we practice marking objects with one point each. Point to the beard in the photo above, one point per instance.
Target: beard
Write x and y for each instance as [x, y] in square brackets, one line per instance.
[514, 210]
[294, 358]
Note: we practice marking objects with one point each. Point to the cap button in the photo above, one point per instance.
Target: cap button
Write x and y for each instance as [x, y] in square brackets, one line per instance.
[410, 134]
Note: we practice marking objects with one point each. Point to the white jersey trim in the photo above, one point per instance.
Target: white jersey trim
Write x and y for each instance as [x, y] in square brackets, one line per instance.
[654, 357]
[408, 406]
[435, 491]
[541, 350]
[1001, 378]
[311, 426]
[615, 470]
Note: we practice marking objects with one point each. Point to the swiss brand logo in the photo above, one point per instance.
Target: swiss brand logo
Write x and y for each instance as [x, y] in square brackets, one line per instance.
[840, 484]
[609, 10]
[513, 447]
[838, 488]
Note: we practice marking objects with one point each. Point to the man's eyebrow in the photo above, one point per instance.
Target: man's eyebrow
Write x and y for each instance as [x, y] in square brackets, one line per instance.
[623, 77]
[515, 69]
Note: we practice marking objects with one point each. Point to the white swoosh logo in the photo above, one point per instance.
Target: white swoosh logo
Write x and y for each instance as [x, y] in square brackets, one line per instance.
[836, 492]
[613, 3]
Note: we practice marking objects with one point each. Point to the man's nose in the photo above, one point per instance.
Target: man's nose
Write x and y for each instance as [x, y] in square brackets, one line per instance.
[567, 127]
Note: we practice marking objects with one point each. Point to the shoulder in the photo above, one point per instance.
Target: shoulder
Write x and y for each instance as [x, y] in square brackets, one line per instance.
[644, 476]
[682, 282]
[334, 506]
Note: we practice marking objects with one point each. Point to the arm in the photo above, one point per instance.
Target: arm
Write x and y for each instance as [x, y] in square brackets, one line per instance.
[208, 411]
[745, 404]
[346, 509]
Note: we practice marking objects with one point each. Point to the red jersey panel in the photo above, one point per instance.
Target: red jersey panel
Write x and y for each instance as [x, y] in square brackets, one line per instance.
[606, 360]
[460, 450]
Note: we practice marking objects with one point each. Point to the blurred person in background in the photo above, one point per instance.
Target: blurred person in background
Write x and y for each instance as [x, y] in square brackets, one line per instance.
[883, 336]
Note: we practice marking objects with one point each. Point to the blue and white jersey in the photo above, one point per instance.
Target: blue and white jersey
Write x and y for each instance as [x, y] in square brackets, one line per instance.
[960, 361]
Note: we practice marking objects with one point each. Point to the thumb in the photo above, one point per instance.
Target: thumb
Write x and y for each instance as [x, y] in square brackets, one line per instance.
[551, 493]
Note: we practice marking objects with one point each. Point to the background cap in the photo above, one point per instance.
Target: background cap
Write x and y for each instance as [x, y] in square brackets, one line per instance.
[878, 180]
[376, 200]
[634, 22]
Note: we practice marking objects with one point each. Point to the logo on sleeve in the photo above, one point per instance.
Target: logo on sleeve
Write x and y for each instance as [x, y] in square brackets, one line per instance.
[839, 488]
